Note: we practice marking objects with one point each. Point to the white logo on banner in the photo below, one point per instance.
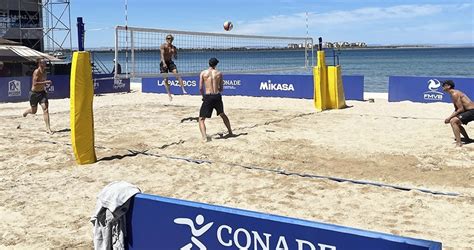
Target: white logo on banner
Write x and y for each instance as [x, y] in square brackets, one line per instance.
[231, 84]
[268, 85]
[190, 83]
[96, 84]
[196, 232]
[14, 88]
[242, 238]
[433, 94]
[49, 88]
[118, 84]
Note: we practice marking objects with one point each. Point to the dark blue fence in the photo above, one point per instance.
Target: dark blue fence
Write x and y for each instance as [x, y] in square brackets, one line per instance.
[16, 89]
[291, 86]
[163, 223]
[425, 89]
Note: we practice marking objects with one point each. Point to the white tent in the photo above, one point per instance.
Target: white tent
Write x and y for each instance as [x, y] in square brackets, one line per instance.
[19, 53]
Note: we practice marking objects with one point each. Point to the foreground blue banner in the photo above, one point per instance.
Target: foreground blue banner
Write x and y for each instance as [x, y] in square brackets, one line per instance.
[425, 89]
[290, 86]
[16, 89]
[162, 223]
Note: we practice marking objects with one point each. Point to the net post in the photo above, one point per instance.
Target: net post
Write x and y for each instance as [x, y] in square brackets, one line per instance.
[116, 52]
[132, 48]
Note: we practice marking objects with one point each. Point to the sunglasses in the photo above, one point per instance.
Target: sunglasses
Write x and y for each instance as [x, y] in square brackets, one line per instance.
[169, 38]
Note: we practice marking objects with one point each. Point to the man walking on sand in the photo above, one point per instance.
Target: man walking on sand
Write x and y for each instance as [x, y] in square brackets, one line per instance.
[463, 112]
[168, 51]
[38, 93]
[211, 85]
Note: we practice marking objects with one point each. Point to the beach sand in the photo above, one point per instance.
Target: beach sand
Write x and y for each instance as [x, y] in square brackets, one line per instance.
[46, 199]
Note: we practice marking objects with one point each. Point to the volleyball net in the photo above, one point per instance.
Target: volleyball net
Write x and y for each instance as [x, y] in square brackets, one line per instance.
[138, 52]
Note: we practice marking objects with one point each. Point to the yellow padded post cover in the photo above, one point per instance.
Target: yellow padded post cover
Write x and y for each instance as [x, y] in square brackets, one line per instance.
[82, 120]
[320, 82]
[336, 96]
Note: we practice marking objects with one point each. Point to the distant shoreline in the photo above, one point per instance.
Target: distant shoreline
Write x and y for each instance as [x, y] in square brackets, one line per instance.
[405, 47]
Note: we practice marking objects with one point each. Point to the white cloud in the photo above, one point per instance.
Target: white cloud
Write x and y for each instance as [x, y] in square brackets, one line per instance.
[369, 17]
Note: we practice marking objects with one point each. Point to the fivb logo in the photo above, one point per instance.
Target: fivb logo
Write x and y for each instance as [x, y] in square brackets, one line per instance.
[268, 85]
[242, 238]
[14, 88]
[433, 94]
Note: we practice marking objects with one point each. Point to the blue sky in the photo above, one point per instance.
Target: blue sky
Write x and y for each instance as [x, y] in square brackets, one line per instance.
[370, 21]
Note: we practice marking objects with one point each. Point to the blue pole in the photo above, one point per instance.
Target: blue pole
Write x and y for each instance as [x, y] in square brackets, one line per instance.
[80, 34]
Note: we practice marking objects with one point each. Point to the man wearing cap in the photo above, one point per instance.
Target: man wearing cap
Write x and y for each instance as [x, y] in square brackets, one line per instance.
[169, 51]
[463, 111]
[211, 85]
[38, 93]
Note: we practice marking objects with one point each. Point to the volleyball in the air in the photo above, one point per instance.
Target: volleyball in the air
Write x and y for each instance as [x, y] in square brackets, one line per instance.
[228, 25]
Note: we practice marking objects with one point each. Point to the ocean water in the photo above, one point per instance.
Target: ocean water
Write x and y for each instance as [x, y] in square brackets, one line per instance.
[376, 65]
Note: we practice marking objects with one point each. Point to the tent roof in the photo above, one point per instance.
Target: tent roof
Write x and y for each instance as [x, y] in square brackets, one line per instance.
[7, 42]
[19, 53]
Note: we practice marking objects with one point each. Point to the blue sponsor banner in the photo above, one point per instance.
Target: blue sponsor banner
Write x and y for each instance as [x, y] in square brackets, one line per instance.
[425, 89]
[155, 222]
[290, 86]
[16, 89]
[59, 88]
[104, 83]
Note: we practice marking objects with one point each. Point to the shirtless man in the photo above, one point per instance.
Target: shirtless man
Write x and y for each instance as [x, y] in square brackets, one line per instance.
[212, 98]
[169, 51]
[38, 93]
[463, 111]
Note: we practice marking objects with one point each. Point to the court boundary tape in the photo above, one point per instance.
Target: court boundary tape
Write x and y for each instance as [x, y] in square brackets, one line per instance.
[251, 167]
[331, 178]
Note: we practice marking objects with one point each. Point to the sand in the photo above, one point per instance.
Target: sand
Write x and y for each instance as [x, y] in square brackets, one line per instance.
[46, 199]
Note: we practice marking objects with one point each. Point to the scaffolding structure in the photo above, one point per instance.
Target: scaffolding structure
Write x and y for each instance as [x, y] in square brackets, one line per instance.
[44, 25]
[57, 25]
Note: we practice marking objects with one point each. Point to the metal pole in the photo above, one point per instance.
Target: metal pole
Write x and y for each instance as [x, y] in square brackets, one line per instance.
[116, 52]
[70, 34]
[80, 34]
[133, 54]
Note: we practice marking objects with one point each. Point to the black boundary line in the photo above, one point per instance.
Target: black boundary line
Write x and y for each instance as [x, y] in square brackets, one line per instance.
[336, 179]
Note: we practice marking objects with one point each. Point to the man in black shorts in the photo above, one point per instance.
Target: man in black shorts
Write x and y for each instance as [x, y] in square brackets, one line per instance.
[38, 93]
[463, 112]
[211, 79]
[169, 51]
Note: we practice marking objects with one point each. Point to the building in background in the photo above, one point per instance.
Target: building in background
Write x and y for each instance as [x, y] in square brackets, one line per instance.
[22, 21]
[43, 25]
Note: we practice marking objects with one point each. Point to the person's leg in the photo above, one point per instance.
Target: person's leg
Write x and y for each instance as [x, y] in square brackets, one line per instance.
[226, 121]
[456, 124]
[202, 127]
[46, 117]
[31, 110]
[180, 80]
[167, 87]
[464, 133]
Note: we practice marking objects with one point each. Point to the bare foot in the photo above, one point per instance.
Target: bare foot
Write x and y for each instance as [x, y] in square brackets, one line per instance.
[206, 139]
[170, 97]
[25, 114]
[49, 131]
[184, 92]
